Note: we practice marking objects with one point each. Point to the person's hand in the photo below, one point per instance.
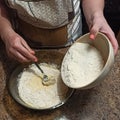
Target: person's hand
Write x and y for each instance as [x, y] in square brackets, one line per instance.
[17, 47]
[99, 24]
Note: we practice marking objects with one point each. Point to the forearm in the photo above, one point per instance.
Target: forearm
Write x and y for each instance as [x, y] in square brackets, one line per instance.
[92, 9]
[5, 24]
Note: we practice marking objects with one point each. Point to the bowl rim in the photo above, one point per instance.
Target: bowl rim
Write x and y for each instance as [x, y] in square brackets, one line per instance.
[14, 76]
[111, 54]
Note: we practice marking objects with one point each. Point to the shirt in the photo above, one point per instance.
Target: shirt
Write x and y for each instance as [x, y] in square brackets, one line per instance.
[50, 14]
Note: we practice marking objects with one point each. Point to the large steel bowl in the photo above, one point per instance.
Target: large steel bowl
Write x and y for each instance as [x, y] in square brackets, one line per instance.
[53, 56]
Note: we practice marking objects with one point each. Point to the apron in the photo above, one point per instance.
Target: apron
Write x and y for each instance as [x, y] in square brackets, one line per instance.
[47, 22]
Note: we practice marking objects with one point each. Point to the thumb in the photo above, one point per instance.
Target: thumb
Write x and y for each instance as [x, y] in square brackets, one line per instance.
[93, 32]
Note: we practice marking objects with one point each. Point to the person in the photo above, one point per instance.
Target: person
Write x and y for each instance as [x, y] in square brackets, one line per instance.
[48, 24]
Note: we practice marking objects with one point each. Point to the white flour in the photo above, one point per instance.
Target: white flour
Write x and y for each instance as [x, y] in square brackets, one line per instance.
[34, 93]
[81, 65]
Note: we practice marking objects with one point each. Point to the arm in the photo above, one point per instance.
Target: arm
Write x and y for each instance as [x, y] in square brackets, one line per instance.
[93, 11]
[4, 21]
[16, 46]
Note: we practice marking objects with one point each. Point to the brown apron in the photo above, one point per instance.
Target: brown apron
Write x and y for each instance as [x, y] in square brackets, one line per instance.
[41, 36]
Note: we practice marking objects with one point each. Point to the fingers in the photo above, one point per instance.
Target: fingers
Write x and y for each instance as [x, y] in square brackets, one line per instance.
[17, 56]
[92, 36]
[108, 32]
[93, 32]
[23, 52]
[20, 51]
[27, 47]
[113, 40]
[17, 48]
[28, 52]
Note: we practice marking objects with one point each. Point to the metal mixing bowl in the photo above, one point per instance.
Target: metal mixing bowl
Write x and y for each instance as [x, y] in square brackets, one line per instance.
[52, 56]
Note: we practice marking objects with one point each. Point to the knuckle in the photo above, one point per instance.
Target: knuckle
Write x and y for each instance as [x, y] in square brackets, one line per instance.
[15, 45]
[10, 50]
[16, 42]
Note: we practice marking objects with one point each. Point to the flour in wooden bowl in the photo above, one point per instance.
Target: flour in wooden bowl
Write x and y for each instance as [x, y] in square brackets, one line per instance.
[34, 93]
[81, 65]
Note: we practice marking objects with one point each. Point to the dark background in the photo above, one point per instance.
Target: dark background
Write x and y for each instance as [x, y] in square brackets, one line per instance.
[112, 15]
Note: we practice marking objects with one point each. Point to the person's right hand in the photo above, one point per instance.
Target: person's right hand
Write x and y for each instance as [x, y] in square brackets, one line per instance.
[17, 48]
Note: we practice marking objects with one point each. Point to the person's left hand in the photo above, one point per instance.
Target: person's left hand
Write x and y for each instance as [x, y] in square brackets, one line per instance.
[99, 24]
